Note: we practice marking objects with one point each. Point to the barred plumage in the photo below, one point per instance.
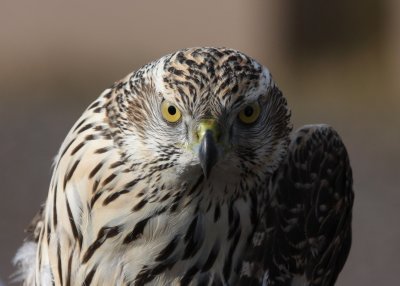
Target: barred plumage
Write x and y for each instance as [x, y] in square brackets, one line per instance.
[182, 174]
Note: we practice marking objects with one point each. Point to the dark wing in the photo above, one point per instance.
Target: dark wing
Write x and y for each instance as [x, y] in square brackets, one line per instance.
[35, 226]
[24, 259]
[304, 234]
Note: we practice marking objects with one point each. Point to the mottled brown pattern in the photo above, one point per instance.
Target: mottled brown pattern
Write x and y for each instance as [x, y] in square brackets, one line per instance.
[129, 202]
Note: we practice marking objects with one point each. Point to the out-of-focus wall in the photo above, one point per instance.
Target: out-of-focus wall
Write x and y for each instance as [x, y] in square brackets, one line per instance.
[336, 64]
[392, 43]
[53, 46]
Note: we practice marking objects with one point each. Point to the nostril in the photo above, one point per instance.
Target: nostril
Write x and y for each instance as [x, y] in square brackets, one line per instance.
[208, 125]
[196, 136]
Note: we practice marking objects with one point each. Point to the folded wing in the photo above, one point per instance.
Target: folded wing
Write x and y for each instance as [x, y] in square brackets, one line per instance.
[304, 235]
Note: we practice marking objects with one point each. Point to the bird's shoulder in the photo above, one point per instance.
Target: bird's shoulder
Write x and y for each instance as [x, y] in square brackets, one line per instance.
[307, 218]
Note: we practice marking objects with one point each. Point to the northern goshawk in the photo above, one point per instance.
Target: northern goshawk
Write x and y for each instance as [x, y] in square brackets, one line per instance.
[185, 173]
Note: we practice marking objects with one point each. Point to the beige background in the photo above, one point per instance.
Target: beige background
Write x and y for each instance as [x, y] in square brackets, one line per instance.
[337, 63]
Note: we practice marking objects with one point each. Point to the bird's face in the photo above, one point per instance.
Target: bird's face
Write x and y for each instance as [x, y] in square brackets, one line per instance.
[205, 111]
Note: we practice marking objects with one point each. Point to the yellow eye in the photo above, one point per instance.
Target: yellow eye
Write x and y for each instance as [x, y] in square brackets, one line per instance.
[250, 113]
[170, 112]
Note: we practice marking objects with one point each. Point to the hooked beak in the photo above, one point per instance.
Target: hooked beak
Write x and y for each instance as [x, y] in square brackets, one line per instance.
[208, 134]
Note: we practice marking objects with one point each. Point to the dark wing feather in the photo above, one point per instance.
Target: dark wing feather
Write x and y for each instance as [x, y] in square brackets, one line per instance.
[35, 226]
[24, 259]
[305, 231]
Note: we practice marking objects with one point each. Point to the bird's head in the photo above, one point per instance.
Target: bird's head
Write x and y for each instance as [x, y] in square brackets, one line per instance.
[205, 111]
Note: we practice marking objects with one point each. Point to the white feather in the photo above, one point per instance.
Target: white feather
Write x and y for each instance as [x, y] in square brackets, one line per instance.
[25, 260]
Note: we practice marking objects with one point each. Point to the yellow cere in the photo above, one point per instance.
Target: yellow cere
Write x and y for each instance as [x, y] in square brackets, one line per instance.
[170, 112]
[208, 125]
[250, 113]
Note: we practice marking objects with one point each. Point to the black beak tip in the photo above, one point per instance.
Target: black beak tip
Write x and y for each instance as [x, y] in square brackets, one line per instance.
[208, 153]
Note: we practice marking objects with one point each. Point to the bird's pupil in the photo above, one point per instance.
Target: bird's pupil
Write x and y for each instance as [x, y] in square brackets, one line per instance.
[248, 111]
[171, 110]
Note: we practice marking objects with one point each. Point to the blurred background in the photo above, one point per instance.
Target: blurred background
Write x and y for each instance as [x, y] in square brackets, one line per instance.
[337, 62]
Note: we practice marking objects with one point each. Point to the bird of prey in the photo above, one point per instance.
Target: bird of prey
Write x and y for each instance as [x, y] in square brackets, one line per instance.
[185, 172]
